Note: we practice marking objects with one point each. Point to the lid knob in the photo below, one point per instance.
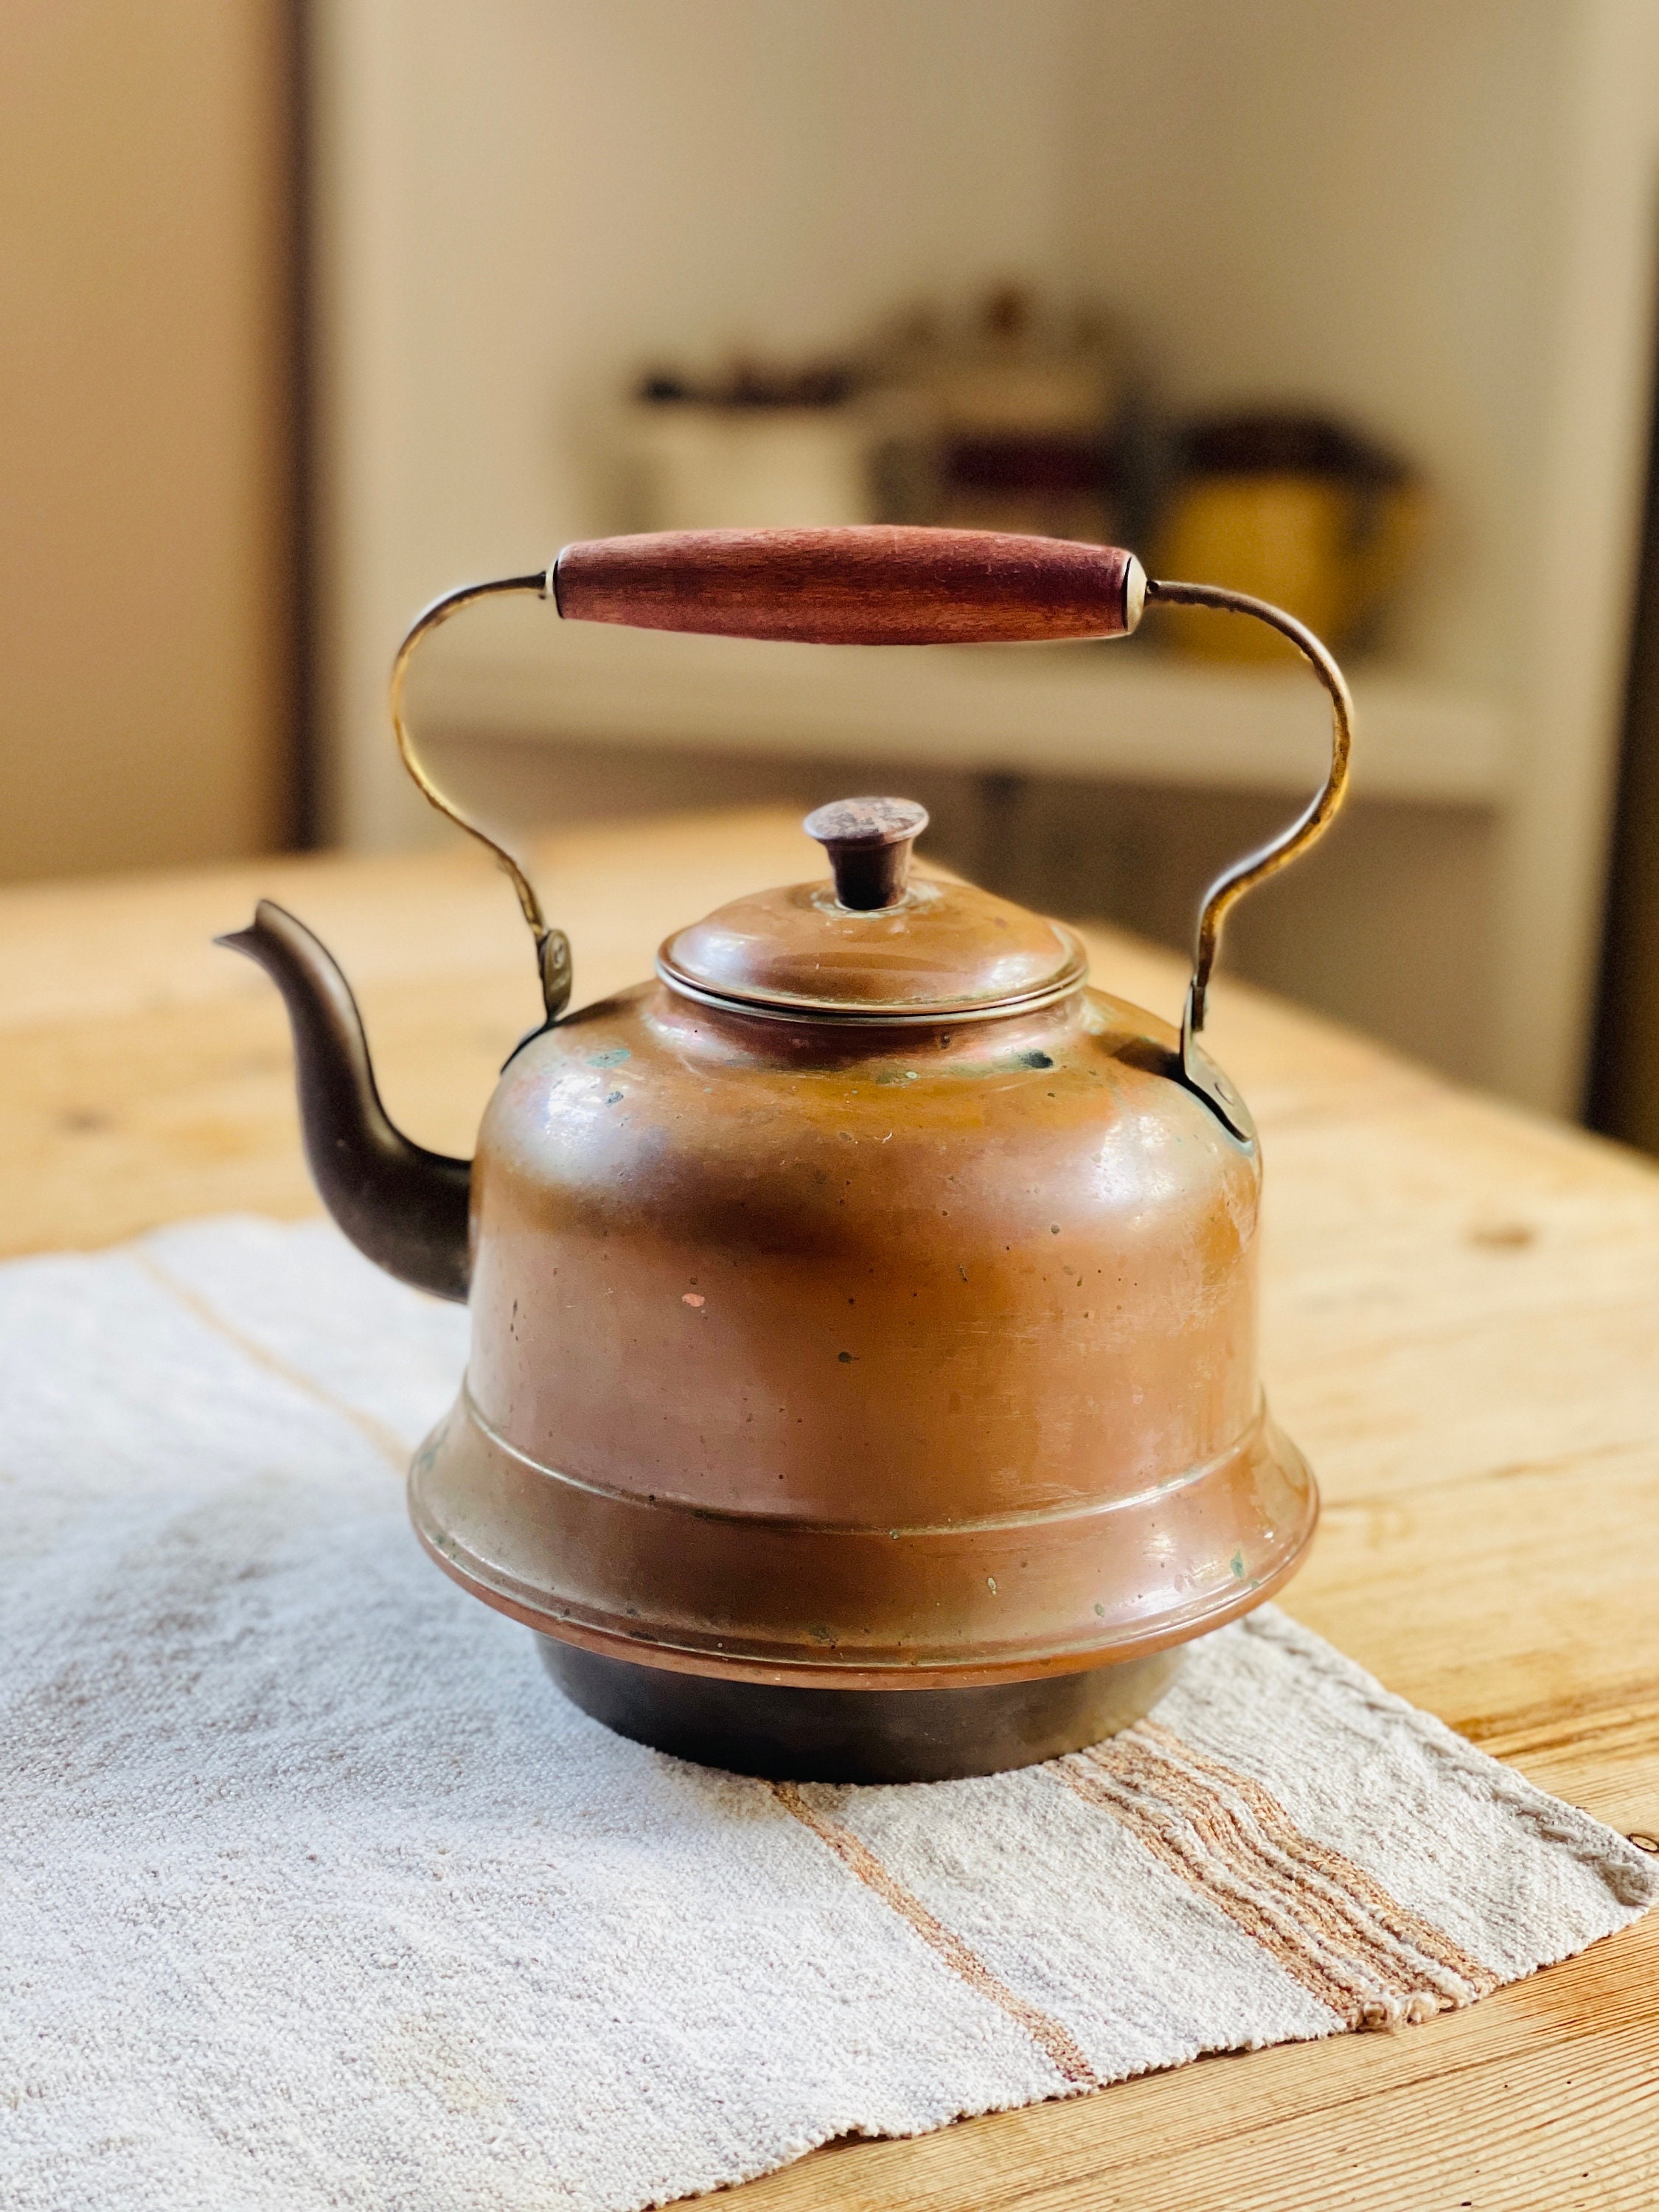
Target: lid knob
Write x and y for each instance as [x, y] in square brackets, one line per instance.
[868, 841]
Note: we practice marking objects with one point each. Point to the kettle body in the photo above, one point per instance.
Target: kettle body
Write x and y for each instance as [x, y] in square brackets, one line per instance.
[864, 1377]
[929, 1357]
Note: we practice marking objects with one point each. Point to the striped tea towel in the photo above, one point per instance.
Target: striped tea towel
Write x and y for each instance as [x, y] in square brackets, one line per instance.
[317, 1893]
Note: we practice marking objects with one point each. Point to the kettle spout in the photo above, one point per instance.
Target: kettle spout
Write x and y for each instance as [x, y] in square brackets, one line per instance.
[404, 1207]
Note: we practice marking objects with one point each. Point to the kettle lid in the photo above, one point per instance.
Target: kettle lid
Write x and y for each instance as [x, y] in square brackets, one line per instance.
[875, 944]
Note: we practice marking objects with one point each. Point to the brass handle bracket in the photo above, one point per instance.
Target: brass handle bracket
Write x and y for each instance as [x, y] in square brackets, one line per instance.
[552, 946]
[1198, 1069]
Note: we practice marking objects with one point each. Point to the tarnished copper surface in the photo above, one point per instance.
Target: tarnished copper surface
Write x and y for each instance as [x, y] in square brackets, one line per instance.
[858, 1355]
[865, 1304]
[939, 949]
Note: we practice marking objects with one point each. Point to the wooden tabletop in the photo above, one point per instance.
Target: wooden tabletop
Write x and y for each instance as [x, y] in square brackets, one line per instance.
[1462, 1333]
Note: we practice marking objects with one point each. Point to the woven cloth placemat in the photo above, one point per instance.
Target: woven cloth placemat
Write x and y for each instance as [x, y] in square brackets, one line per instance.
[315, 1892]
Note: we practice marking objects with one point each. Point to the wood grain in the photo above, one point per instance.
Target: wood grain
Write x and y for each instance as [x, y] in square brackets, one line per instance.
[872, 585]
[1462, 1331]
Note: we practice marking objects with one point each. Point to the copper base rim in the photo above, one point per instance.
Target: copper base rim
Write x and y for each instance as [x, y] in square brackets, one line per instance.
[621, 1577]
[841, 1679]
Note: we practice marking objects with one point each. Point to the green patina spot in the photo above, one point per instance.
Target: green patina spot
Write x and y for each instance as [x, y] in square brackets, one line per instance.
[1238, 1564]
[1101, 1610]
[612, 1058]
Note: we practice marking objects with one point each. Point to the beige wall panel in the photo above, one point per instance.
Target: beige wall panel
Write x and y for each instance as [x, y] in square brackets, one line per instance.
[144, 432]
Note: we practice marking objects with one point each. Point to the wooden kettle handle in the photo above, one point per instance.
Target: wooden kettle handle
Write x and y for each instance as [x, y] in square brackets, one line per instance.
[875, 585]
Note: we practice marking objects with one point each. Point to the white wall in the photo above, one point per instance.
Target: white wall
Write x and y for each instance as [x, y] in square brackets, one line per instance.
[1344, 205]
[1441, 216]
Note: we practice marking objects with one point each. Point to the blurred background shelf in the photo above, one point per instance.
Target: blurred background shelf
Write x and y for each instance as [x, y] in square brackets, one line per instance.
[1116, 713]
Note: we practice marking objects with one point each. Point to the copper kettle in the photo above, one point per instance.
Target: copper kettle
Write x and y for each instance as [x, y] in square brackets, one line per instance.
[864, 1379]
